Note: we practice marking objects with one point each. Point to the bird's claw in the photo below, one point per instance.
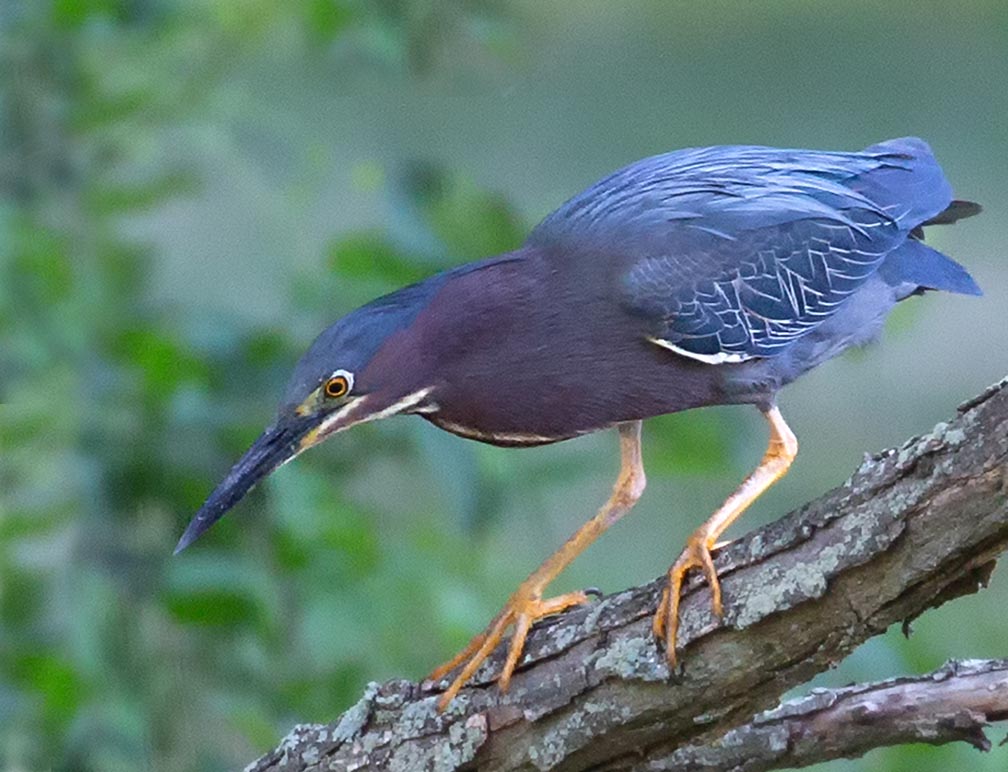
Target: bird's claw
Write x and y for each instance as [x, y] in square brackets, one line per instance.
[522, 610]
[665, 624]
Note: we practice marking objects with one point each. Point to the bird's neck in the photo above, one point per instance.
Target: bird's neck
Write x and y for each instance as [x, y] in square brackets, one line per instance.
[478, 304]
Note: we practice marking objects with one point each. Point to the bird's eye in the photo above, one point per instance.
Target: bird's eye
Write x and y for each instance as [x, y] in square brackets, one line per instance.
[338, 385]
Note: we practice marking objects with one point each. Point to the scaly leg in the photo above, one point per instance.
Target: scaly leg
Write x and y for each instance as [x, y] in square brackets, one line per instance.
[780, 453]
[526, 605]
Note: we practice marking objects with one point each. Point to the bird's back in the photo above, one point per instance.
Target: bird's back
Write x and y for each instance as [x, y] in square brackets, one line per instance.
[660, 200]
[736, 252]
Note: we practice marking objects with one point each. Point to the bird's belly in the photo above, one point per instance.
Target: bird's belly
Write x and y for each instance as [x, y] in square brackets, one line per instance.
[508, 438]
[559, 403]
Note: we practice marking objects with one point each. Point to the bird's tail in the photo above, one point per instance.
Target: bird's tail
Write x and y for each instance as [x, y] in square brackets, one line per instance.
[954, 212]
[914, 266]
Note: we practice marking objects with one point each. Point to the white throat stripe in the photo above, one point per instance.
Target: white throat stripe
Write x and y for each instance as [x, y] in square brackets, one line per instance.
[354, 406]
[405, 403]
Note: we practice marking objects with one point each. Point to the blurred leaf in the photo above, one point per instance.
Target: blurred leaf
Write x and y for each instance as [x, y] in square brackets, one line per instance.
[216, 591]
[73, 13]
[354, 537]
[313, 519]
[369, 255]
[328, 18]
[265, 347]
[21, 595]
[315, 693]
[41, 268]
[466, 220]
[902, 318]
[161, 358]
[107, 111]
[22, 525]
[122, 267]
[368, 176]
[474, 223]
[135, 197]
[219, 608]
[290, 552]
[693, 442]
[55, 680]
[256, 725]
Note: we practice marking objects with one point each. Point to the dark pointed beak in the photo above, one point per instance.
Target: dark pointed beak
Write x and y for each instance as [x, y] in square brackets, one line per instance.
[275, 446]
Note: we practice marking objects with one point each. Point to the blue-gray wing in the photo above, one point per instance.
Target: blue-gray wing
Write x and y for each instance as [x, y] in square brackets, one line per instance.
[734, 252]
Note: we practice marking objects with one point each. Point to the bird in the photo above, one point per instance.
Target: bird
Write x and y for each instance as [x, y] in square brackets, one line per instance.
[699, 277]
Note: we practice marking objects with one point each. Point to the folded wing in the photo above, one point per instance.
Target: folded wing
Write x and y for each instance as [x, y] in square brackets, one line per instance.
[731, 253]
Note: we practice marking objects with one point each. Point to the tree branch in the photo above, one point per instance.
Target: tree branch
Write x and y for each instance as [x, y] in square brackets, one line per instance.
[954, 703]
[912, 528]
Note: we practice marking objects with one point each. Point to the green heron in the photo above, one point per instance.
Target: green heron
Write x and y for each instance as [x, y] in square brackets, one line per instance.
[700, 277]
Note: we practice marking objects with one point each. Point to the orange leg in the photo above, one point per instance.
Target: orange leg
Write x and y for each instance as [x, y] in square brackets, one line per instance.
[526, 605]
[780, 453]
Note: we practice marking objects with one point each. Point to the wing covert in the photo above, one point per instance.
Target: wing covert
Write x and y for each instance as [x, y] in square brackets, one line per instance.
[735, 252]
[771, 286]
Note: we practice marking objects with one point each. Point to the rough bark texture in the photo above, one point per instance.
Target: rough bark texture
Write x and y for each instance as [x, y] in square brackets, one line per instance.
[954, 703]
[912, 528]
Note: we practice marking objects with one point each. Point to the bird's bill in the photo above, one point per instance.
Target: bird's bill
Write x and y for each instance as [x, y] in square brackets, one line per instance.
[287, 438]
[274, 447]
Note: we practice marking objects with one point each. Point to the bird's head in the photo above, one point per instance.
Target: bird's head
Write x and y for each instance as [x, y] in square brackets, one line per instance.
[365, 366]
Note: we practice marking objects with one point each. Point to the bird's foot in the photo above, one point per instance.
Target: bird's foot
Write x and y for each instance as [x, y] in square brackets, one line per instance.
[522, 610]
[696, 554]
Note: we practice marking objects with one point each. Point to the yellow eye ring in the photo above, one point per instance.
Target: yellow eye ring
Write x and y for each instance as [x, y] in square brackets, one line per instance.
[337, 386]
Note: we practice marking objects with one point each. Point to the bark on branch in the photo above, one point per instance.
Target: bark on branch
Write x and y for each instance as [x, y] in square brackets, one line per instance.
[912, 528]
[953, 704]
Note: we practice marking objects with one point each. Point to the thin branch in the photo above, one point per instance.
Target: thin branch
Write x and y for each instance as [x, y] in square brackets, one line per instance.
[912, 528]
[953, 704]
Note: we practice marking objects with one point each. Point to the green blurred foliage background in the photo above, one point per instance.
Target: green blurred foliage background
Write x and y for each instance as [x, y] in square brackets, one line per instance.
[191, 189]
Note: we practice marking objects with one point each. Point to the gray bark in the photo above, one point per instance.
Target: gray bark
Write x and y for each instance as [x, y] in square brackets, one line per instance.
[912, 528]
[953, 704]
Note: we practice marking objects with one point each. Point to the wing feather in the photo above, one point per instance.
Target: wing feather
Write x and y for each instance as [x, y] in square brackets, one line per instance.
[735, 252]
